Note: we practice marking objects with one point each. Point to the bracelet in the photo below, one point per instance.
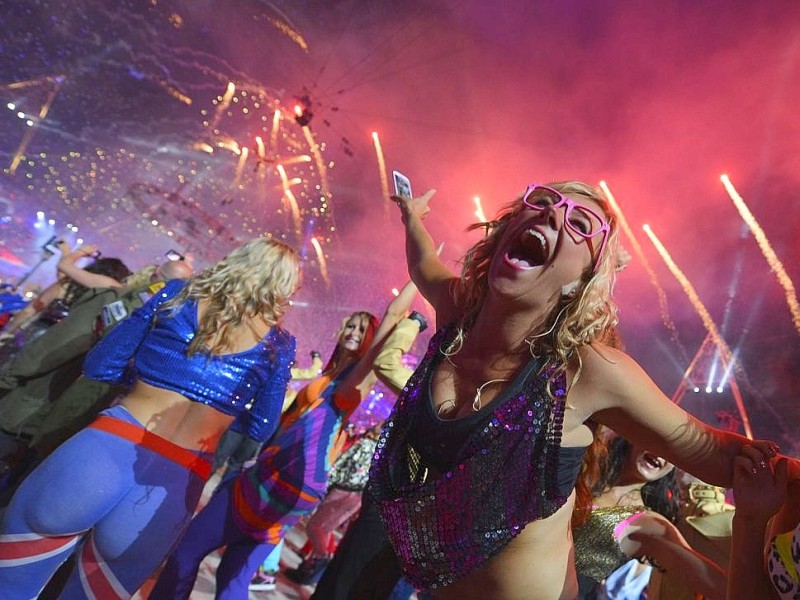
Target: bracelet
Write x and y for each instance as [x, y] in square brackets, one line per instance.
[423, 323]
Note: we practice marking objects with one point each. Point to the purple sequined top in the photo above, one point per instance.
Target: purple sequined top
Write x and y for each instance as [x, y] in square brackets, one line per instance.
[507, 476]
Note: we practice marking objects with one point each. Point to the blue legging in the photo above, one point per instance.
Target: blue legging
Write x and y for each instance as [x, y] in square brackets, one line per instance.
[212, 528]
[122, 506]
[272, 563]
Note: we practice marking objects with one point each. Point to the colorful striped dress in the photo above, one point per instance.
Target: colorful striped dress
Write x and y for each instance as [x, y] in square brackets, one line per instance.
[291, 474]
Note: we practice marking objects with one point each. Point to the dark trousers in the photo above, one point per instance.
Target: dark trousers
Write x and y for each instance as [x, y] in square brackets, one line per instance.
[365, 566]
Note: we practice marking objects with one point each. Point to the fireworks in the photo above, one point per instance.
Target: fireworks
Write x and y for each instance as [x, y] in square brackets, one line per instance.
[260, 149]
[708, 322]
[240, 165]
[287, 193]
[381, 167]
[223, 104]
[323, 265]
[33, 123]
[766, 249]
[133, 185]
[479, 214]
[637, 249]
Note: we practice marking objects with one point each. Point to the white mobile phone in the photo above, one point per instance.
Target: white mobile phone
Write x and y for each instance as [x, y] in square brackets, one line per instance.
[402, 184]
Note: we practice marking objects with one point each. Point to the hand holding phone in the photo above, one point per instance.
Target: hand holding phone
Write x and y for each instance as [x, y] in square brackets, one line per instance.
[402, 185]
[50, 247]
[88, 250]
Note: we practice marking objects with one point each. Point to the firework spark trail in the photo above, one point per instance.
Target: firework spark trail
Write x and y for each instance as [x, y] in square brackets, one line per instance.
[293, 160]
[708, 322]
[27, 138]
[137, 52]
[223, 104]
[287, 193]
[637, 249]
[481, 216]
[262, 152]
[231, 145]
[292, 34]
[322, 169]
[381, 169]
[323, 266]
[276, 125]
[240, 165]
[766, 249]
[284, 24]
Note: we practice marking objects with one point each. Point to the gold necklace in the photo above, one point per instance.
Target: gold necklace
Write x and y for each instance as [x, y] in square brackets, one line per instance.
[476, 402]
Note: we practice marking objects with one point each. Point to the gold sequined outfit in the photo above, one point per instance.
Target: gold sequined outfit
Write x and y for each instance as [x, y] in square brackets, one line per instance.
[597, 551]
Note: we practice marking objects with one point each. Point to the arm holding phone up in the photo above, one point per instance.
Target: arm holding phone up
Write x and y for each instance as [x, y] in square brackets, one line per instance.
[425, 267]
[66, 266]
[68, 272]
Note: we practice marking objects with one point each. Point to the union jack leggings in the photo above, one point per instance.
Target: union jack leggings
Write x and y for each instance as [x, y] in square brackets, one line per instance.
[114, 493]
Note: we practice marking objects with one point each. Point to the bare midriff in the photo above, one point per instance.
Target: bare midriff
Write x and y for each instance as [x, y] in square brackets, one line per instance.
[536, 565]
[174, 417]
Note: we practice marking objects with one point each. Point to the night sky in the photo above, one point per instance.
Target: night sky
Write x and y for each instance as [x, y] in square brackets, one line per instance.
[146, 146]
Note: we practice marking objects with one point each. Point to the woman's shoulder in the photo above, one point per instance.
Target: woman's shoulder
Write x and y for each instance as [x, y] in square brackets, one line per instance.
[608, 378]
[598, 360]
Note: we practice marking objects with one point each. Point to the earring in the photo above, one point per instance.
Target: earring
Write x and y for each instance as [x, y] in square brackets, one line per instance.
[571, 289]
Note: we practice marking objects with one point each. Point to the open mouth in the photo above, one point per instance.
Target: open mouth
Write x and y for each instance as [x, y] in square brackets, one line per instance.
[653, 461]
[529, 250]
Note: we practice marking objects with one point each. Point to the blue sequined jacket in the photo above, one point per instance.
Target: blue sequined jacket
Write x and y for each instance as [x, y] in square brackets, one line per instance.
[157, 343]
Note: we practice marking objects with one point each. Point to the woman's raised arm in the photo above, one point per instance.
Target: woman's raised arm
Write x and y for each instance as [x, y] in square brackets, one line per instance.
[426, 269]
[361, 377]
[67, 266]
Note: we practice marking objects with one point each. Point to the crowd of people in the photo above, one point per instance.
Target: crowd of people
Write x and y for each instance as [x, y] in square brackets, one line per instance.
[495, 476]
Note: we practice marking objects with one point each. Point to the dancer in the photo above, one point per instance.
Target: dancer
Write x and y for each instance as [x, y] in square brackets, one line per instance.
[476, 467]
[633, 516]
[364, 563]
[126, 486]
[251, 514]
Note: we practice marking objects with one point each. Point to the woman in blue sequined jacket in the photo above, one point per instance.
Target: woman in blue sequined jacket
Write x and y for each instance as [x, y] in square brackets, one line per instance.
[205, 354]
[475, 470]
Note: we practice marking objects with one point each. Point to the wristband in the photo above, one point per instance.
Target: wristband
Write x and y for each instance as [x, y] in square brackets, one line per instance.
[423, 323]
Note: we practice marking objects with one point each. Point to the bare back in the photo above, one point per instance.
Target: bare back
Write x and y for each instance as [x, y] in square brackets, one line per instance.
[173, 416]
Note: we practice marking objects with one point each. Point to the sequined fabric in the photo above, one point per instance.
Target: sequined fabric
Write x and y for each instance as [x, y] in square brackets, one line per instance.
[597, 551]
[446, 527]
[157, 341]
[351, 470]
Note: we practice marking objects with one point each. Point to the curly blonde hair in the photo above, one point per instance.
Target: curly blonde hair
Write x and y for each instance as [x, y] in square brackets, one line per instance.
[255, 280]
[573, 322]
